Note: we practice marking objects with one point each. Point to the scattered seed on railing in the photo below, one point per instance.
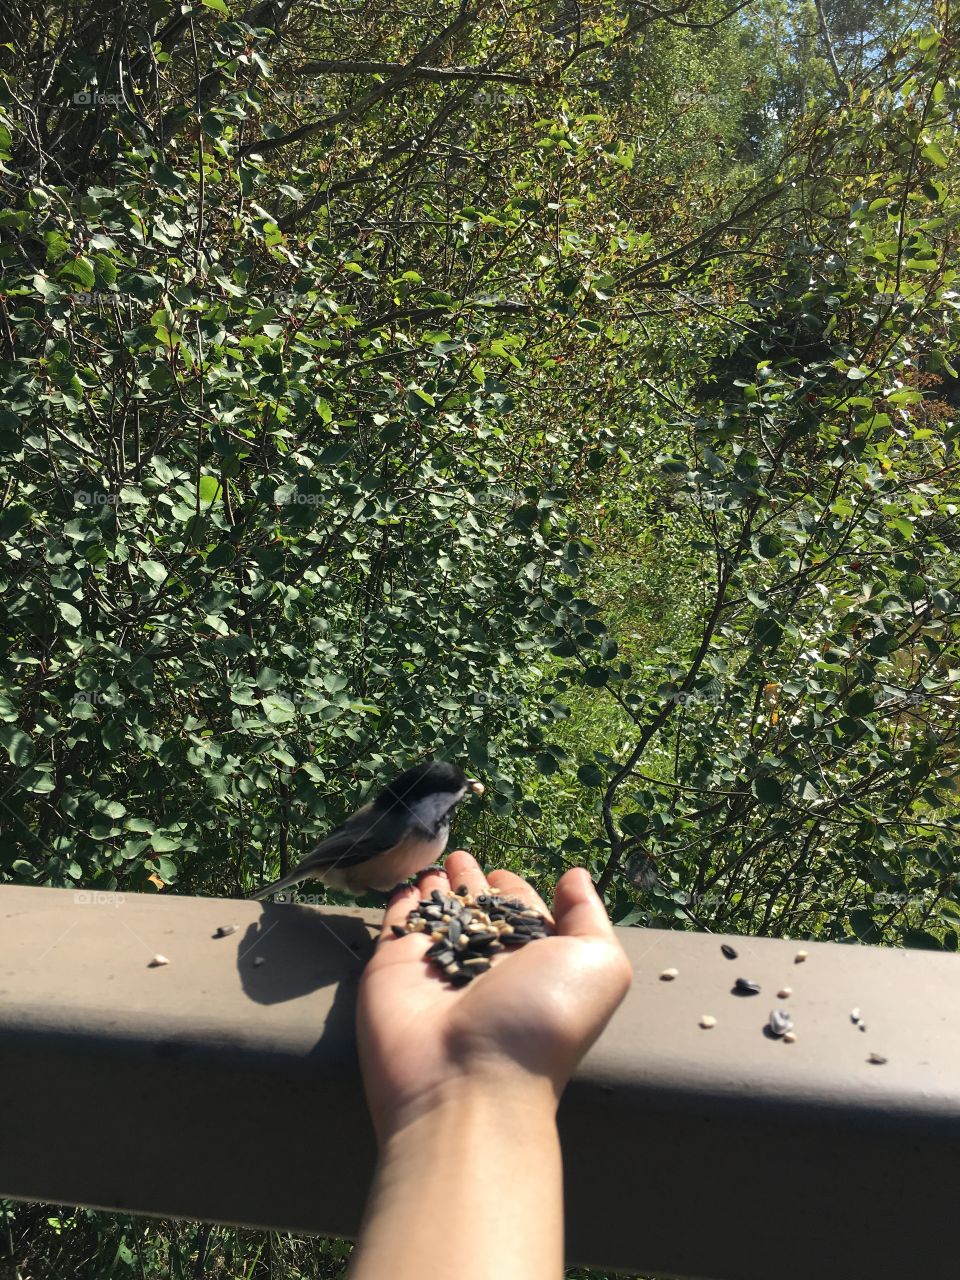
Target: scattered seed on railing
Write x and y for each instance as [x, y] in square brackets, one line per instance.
[728, 951]
[789, 1037]
[745, 987]
[784, 992]
[157, 961]
[668, 975]
[877, 1059]
[225, 930]
[707, 1021]
[800, 957]
[257, 961]
[855, 1017]
[465, 931]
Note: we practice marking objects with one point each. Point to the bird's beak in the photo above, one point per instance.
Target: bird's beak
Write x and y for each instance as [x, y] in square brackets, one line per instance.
[476, 787]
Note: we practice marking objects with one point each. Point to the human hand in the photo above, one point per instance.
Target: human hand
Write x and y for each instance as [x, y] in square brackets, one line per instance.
[523, 1025]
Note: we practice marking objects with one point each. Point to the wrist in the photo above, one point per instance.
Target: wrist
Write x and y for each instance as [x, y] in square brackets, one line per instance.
[498, 1099]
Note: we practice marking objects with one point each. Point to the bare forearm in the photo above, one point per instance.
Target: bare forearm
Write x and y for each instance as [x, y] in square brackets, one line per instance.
[474, 1185]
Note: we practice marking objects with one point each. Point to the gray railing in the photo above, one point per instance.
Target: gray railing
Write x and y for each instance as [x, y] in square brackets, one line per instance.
[224, 1086]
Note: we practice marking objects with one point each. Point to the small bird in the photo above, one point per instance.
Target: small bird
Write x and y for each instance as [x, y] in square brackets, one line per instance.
[402, 830]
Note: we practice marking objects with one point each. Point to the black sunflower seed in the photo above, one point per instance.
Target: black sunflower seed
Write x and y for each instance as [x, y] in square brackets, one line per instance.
[454, 929]
[461, 977]
[437, 896]
[463, 891]
[476, 964]
[744, 987]
[728, 951]
[398, 931]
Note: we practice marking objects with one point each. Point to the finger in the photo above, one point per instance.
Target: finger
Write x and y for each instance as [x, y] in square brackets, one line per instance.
[403, 900]
[464, 869]
[401, 903]
[514, 886]
[579, 908]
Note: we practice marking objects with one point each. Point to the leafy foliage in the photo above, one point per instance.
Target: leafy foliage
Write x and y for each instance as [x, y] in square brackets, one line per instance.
[572, 393]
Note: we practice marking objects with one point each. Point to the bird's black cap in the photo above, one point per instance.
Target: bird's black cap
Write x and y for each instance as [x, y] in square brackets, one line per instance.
[427, 779]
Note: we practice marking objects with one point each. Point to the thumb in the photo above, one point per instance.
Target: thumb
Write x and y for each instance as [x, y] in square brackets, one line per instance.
[578, 909]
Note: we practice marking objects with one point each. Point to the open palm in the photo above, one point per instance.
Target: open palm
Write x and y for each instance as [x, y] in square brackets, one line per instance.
[534, 1013]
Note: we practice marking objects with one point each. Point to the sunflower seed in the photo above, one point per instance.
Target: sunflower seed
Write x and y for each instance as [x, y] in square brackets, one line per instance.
[461, 977]
[399, 930]
[707, 1021]
[463, 891]
[855, 1016]
[225, 930]
[744, 987]
[780, 1022]
[668, 975]
[784, 992]
[728, 951]
[157, 962]
[877, 1059]
[477, 964]
[800, 957]
[789, 1037]
[257, 961]
[454, 929]
[437, 897]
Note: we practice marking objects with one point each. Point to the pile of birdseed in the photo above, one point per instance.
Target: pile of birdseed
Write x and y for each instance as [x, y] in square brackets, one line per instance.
[466, 931]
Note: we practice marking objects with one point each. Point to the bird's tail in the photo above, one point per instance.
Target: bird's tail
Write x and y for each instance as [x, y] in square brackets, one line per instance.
[283, 883]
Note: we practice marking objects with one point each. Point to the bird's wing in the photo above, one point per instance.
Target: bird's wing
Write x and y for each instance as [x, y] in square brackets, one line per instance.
[359, 838]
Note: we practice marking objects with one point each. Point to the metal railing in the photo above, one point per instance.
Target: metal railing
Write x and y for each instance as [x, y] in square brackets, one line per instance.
[224, 1086]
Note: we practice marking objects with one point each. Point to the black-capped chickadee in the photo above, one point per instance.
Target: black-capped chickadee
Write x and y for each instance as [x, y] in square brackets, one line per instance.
[402, 830]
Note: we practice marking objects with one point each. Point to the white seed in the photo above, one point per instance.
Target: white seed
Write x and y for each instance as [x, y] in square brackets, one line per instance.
[708, 1021]
[789, 1037]
[800, 957]
[668, 975]
[877, 1059]
[784, 992]
[157, 961]
[257, 961]
[854, 1015]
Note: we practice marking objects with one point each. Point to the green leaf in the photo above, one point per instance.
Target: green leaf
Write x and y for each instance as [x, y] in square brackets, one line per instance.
[19, 746]
[935, 153]
[69, 613]
[209, 489]
[590, 775]
[767, 789]
[81, 270]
